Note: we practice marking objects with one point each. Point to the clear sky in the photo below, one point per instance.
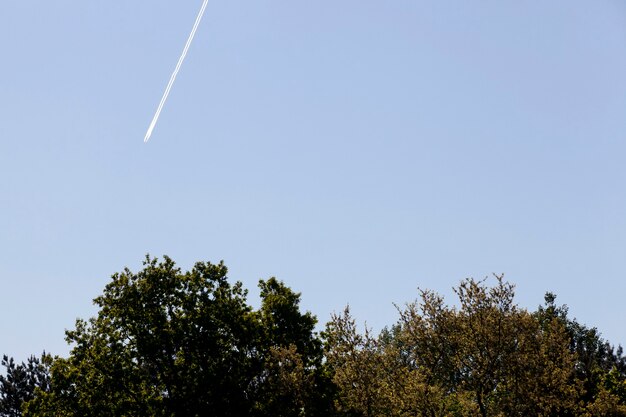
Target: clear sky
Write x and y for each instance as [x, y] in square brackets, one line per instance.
[355, 149]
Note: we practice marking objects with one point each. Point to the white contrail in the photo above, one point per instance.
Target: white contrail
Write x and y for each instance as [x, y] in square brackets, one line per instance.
[175, 73]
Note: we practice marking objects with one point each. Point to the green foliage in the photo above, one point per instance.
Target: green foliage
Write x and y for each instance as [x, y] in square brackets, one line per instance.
[21, 381]
[293, 381]
[599, 369]
[168, 343]
[171, 343]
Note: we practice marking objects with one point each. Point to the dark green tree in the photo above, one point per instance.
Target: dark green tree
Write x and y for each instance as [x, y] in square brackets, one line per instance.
[20, 381]
[173, 343]
[293, 381]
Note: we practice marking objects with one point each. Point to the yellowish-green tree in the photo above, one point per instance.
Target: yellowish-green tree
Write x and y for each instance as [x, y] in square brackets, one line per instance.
[484, 357]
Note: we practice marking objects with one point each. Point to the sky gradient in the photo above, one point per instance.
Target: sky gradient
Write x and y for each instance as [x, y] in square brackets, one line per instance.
[356, 150]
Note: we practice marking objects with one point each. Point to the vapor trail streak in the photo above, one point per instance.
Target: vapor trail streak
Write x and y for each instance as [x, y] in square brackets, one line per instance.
[175, 73]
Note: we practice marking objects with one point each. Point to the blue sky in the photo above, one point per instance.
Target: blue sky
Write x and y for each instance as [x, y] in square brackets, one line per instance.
[356, 150]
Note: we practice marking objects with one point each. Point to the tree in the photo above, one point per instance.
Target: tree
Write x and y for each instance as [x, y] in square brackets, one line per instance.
[294, 380]
[355, 361]
[598, 369]
[173, 343]
[21, 381]
[486, 357]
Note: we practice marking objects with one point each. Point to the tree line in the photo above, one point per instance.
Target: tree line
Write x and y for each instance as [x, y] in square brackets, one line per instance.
[167, 342]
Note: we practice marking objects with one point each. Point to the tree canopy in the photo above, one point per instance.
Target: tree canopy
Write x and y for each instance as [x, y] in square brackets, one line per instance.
[485, 357]
[173, 343]
[167, 342]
